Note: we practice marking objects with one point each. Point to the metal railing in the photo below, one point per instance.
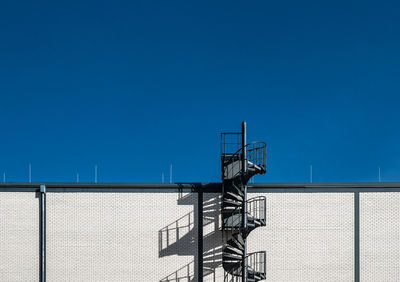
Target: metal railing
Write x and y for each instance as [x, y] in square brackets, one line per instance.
[233, 144]
[257, 261]
[257, 153]
[232, 162]
[230, 277]
[256, 207]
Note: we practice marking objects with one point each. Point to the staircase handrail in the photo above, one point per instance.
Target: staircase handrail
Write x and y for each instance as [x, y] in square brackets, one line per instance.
[256, 153]
[258, 211]
[264, 145]
[256, 215]
[259, 262]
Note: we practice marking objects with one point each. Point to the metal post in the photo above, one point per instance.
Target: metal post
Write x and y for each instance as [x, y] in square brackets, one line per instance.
[357, 237]
[244, 151]
[170, 173]
[200, 235]
[95, 174]
[244, 204]
[42, 233]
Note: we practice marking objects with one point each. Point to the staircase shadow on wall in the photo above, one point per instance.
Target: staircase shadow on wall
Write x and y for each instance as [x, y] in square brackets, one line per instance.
[180, 238]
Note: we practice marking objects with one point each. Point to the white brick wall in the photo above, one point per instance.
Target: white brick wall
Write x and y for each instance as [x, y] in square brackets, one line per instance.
[212, 245]
[308, 237]
[380, 237]
[115, 236]
[19, 237]
[134, 237]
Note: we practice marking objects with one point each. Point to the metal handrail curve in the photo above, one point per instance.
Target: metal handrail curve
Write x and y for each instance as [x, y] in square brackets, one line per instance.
[257, 212]
[264, 145]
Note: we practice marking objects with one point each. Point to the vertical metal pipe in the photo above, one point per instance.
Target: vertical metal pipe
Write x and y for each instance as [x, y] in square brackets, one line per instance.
[170, 173]
[200, 234]
[356, 237]
[244, 204]
[42, 233]
[244, 142]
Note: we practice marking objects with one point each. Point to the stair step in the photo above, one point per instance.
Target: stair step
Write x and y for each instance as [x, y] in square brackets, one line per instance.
[231, 202]
[255, 167]
[230, 210]
[233, 250]
[233, 196]
[233, 220]
[238, 190]
[257, 222]
[232, 257]
[237, 242]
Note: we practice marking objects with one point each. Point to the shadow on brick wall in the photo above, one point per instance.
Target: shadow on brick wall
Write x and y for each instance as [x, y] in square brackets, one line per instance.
[180, 238]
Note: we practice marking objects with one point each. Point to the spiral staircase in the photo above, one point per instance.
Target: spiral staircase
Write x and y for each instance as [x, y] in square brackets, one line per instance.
[241, 161]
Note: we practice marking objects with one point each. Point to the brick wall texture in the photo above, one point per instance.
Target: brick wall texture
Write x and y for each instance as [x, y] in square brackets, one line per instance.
[308, 237]
[19, 237]
[380, 237]
[153, 237]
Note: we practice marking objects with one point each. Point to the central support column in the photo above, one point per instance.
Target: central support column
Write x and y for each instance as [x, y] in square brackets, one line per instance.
[244, 205]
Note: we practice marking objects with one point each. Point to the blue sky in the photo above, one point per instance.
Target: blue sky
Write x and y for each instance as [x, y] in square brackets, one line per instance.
[134, 86]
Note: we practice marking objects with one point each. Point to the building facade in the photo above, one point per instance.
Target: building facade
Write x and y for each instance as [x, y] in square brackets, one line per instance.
[173, 232]
[230, 231]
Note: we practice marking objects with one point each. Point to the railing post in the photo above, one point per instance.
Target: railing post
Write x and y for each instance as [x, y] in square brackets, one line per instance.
[265, 210]
[42, 232]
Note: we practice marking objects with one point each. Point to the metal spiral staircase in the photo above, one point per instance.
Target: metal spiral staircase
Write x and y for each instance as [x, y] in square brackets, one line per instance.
[241, 161]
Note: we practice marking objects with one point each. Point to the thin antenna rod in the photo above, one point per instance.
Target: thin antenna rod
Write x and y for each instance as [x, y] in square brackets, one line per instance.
[170, 174]
[77, 178]
[379, 174]
[310, 173]
[95, 174]
[162, 177]
[30, 173]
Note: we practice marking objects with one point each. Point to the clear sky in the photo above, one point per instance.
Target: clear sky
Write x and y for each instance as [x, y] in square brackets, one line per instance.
[134, 86]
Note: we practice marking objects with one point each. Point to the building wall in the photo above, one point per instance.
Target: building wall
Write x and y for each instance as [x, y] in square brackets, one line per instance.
[19, 237]
[117, 236]
[153, 237]
[308, 236]
[212, 238]
[380, 237]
